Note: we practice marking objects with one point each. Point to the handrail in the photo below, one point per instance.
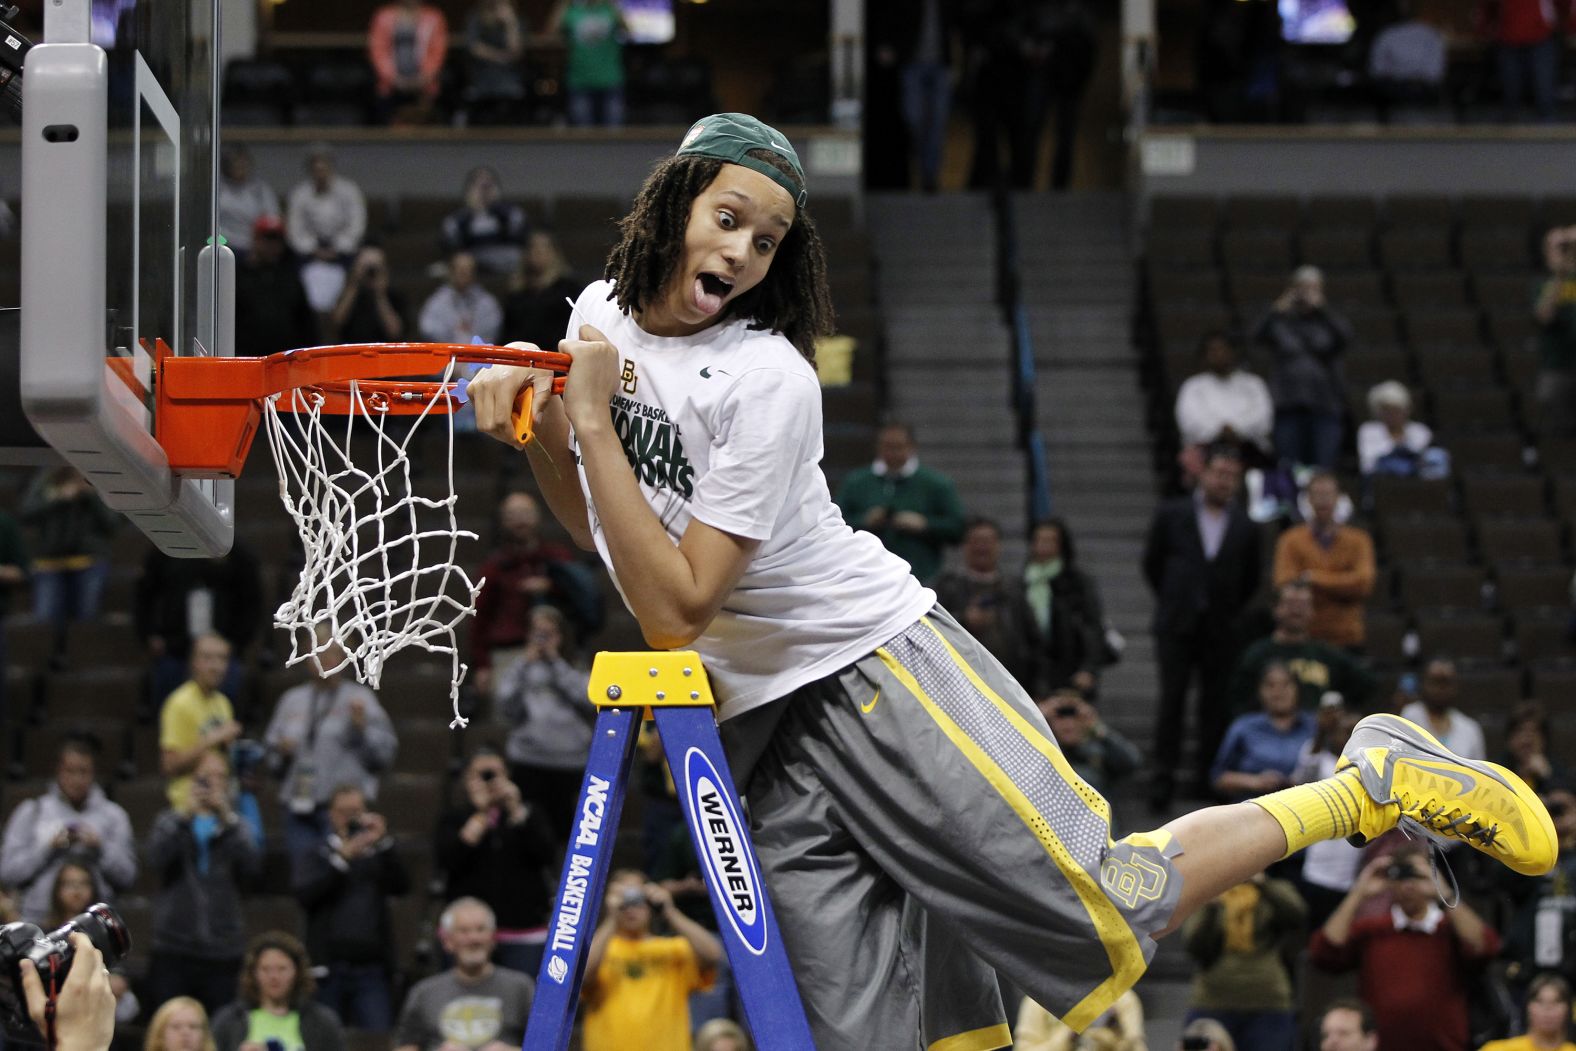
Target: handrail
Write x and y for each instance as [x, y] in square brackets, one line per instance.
[1009, 279]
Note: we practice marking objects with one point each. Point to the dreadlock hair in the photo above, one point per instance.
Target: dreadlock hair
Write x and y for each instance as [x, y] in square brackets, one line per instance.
[792, 298]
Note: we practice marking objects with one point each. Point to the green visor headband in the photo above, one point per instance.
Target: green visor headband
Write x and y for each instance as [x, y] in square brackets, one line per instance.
[731, 136]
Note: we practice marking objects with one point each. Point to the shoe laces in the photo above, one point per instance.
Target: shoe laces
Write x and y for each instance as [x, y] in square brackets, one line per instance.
[1452, 822]
[1436, 861]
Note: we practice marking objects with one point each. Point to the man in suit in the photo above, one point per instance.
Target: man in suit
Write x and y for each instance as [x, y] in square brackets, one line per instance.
[1201, 559]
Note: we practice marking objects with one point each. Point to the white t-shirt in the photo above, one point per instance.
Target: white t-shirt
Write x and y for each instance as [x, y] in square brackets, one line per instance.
[725, 426]
[1465, 737]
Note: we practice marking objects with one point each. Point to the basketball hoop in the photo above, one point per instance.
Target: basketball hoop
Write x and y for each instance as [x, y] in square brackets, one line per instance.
[380, 573]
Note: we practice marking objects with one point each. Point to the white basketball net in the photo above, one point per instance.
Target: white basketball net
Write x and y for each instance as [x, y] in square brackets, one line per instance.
[380, 572]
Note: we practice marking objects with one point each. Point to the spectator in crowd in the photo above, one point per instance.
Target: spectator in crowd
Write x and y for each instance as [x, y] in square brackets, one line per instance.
[326, 733]
[201, 852]
[722, 1034]
[1260, 750]
[1336, 561]
[271, 308]
[1406, 61]
[1096, 752]
[524, 572]
[987, 601]
[912, 509]
[1414, 960]
[1548, 1018]
[1435, 710]
[542, 700]
[1347, 1024]
[1121, 1028]
[1205, 1034]
[1224, 404]
[1330, 867]
[197, 720]
[921, 41]
[1242, 981]
[1526, 41]
[408, 43]
[593, 32]
[275, 1003]
[70, 533]
[180, 599]
[343, 885]
[495, 56]
[1317, 666]
[1527, 746]
[637, 983]
[1009, 48]
[180, 1024]
[73, 822]
[1201, 559]
[537, 308]
[1541, 932]
[75, 888]
[1066, 632]
[1074, 44]
[243, 200]
[1392, 442]
[1555, 312]
[326, 221]
[368, 310]
[491, 229]
[497, 848]
[473, 1005]
[1307, 339]
[461, 310]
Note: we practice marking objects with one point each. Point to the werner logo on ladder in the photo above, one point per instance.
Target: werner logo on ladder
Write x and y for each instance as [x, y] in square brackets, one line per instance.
[674, 688]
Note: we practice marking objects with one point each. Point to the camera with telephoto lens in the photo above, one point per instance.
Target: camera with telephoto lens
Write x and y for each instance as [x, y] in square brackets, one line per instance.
[52, 954]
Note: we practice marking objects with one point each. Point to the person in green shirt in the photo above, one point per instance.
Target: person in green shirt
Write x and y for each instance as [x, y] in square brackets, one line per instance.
[914, 510]
[593, 32]
[1555, 311]
[276, 1004]
[1317, 666]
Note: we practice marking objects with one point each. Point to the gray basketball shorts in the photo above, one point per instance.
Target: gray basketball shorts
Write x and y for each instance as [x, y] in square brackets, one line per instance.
[918, 827]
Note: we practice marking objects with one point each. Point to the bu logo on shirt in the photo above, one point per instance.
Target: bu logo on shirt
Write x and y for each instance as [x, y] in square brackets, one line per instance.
[628, 376]
[730, 864]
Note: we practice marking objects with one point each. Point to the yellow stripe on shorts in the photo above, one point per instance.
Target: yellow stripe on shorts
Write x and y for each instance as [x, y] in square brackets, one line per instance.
[1121, 947]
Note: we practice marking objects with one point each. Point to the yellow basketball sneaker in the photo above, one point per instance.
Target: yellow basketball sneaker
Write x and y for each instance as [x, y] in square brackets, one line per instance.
[1418, 782]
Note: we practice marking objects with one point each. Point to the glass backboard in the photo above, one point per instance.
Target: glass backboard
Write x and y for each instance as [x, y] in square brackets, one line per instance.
[119, 253]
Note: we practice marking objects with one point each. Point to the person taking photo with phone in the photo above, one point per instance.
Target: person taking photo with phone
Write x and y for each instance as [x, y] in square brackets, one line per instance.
[494, 846]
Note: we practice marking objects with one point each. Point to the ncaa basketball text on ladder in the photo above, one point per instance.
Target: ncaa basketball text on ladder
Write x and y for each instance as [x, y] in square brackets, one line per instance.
[674, 688]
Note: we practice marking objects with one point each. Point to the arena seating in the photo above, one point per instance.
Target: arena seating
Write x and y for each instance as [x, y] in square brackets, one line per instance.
[1439, 291]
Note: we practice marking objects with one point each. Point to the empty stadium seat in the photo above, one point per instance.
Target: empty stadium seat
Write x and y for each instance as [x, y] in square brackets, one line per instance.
[1386, 632]
[1441, 368]
[1256, 250]
[1484, 689]
[1428, 290]
[1424, 540]
[1494, 248]
[1456, 326]
[1457, 586]
[1465, 635]
[1262, 212]
[1429, 211]
[1532, 587]
[1193, 214]
[1500, 450]
[1191, 286]
[1523, 540]
[1181, 248]
[1544, 637]
[1496, 211]
[1336, 251]
[1496, 494]
[1405, 496]
[1422, 248]
[1359, 212]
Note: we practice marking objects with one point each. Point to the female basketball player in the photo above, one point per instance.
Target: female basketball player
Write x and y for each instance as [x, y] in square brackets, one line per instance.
[910, 800]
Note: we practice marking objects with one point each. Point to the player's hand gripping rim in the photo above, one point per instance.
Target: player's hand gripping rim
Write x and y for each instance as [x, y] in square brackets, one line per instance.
[493, 393]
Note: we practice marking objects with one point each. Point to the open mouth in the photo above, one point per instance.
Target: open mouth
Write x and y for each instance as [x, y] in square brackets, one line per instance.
[710, 291]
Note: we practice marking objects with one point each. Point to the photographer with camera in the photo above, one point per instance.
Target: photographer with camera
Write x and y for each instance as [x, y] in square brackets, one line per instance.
[368, 310]
[201, 852]
[74, 821]
[496, 847]
[1555, 311]
[84, 1006]
[542, 700]
[344, 885]
[637, 983]
[1415, 961]
[1307, 339]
